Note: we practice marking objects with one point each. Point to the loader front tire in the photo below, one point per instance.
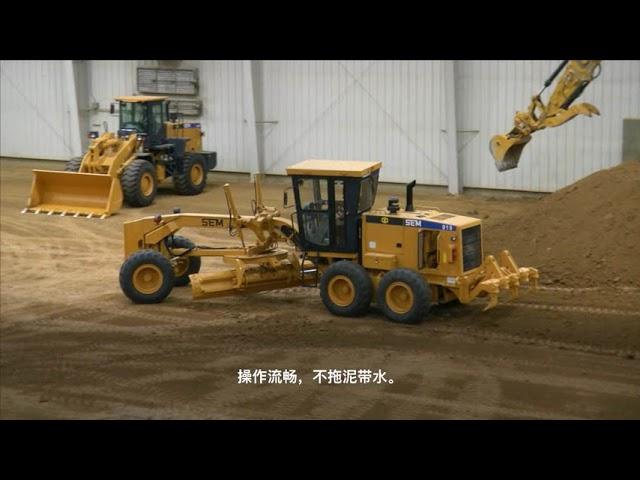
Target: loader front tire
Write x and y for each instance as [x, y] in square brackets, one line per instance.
[139, 183]
[186, 265]
[73, 165]
[346, 289]
[403, 296]
[194, 177]
[146, 277]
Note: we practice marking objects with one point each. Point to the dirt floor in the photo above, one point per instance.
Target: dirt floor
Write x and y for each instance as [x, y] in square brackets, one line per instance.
[73, 346]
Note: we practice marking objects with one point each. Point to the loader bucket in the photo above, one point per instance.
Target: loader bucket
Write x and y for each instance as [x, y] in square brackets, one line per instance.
[72, 193]
[506, 151]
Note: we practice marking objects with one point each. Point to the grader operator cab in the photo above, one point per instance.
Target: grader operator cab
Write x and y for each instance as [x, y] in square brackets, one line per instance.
[128, 165]
[404, 260]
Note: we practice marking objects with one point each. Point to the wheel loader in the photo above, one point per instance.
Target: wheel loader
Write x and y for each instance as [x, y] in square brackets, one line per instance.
[577, 74]
[402, 259]
[148, 148]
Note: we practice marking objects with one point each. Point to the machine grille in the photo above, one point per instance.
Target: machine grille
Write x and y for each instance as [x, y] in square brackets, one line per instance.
[471, 247]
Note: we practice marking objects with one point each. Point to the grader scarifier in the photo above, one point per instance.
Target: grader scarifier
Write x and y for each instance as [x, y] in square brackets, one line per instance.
[404, 260]
[126, 166]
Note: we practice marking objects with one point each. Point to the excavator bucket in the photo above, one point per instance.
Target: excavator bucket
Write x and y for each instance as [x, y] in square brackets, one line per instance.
[73, 193]
[506, 151]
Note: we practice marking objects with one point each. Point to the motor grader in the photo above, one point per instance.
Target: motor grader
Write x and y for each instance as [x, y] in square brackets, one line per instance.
[148, 148]
[404, 260]
[577, 74]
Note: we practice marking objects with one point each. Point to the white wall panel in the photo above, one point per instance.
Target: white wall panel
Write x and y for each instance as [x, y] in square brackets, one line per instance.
[392, 111]
[220, 89]
[490, 92]
[108, 79]
[34, 111]
[223, 120]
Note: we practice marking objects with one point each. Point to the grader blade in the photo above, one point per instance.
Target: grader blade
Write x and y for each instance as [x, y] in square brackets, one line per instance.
[506, 151]
[254, 273]
[73, 193]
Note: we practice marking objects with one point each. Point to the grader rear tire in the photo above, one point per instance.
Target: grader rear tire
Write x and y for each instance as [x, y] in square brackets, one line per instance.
[194, 178]
[146, 277]
[403, 296]
[139, 183]
[346, 289]
[189, 265]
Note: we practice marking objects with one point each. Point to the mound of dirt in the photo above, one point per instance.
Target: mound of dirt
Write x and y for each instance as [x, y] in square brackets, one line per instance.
[587, 234]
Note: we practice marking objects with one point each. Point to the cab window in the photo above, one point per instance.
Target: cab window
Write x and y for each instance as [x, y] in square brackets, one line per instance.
[315, 210]
[133, 116]
[368, 188]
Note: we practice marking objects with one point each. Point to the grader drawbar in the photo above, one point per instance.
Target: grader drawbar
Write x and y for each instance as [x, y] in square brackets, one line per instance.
[126, 166]
[403, 260]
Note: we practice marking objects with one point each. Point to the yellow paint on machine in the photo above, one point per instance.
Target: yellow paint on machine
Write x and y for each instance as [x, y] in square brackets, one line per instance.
[70, 192]
[426, 242]
[576, 75]
[95, 188]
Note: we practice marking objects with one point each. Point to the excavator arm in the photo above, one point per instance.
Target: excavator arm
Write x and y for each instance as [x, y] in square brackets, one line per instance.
[576, 75]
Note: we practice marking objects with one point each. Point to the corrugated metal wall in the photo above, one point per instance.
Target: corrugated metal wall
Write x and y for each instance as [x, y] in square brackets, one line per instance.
[223, 120]
[489, 93]
[106, 80]
[220, 89]
[34, 115]
[391, 111]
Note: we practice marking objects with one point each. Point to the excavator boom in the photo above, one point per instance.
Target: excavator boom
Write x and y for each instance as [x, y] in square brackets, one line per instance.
[576, 75]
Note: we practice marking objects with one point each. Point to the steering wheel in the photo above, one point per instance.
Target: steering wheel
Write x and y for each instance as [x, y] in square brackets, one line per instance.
[133, 126]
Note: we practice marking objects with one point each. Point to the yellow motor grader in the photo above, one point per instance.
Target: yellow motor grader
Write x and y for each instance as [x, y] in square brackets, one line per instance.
[147, 149]
[577, 74]
[404, 260]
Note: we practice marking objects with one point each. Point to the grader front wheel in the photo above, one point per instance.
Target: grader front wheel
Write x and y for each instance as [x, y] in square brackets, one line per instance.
[403, 296]
[146, 277]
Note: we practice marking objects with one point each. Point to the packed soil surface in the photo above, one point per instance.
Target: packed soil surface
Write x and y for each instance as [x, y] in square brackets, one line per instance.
[73, 346]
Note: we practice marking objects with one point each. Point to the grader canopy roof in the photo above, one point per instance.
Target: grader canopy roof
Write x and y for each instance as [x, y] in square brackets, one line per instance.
[337, 168]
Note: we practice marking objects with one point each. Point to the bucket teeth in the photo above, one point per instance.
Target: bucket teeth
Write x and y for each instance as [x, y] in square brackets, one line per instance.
[63, 213]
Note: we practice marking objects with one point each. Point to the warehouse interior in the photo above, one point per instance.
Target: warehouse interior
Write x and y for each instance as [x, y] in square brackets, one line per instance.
[261, 116]
[73, 346]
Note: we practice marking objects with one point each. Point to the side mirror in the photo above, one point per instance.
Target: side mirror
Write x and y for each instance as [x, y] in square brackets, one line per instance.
[285, 198]
[112, 109]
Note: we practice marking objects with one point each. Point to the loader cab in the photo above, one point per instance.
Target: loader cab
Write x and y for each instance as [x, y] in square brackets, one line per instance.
[330, 196]
[144, 115]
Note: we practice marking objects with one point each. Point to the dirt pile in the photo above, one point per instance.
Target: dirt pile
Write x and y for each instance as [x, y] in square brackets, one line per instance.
[586, 234]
